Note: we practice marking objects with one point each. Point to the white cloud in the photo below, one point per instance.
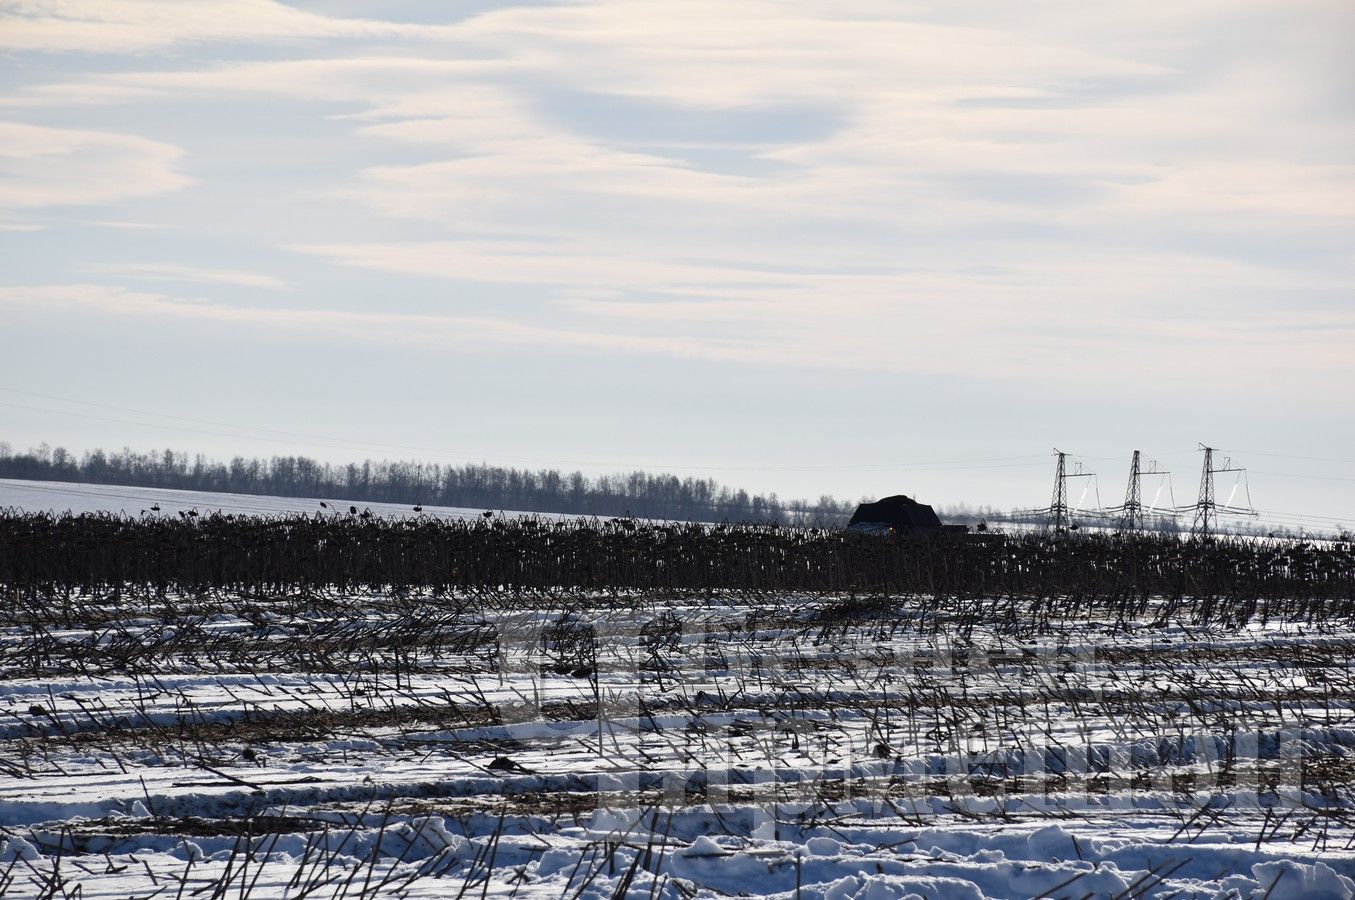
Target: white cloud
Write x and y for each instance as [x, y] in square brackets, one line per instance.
[131, 26]
[979, 337]
[42, 167]
[399, 327]
[967, 181]
[1098, 315]
[49, 96]
[917, 110]
[118, 224]
[175, 272]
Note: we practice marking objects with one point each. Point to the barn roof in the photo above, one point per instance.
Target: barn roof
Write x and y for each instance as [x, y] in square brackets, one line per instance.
[898, 512]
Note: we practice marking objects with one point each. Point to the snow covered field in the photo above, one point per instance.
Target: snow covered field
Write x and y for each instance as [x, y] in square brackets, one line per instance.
[61, 496]
[359, 746]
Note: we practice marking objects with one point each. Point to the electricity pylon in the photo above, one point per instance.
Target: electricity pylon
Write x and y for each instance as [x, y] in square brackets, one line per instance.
[1058, 509]
[1132, 516]
[1206, 508]
[1058, 504]
[1132, 519]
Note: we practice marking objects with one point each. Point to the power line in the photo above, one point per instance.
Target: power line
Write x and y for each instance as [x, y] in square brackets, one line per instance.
[1132, 511]
[1270, 514]
[1296, 475]
[1206, 508]
[445, 455]
[997, 462]
[1292, 456]
[1058, 511]
[178, 418]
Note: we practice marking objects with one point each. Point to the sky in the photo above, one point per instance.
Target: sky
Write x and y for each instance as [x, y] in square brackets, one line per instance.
[856, 248]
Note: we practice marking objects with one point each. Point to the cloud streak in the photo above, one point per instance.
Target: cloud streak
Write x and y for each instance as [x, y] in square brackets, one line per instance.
[1050, 342]
[41, 167]
[786, 183]
[405, 329]
[134, 26]
[192, 274]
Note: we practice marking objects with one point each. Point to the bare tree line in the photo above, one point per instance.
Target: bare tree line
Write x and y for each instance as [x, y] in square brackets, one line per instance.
[642, 494]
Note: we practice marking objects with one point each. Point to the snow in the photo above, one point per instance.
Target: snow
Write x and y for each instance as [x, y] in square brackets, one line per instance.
[764, 752]
[562, 864]
[727, 778]
[61, 496]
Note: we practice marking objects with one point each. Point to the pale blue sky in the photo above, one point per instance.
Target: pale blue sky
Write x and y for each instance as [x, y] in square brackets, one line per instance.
[803, 247]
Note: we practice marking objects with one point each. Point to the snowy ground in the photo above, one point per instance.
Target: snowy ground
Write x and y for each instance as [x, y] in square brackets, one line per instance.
[336, 746]
[61, 496]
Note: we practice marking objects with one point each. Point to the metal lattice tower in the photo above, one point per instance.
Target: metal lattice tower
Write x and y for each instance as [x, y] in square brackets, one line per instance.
[1204, 507]
[1058, 511]
[1132, 515]
[1058, 503]
[1207, 508]
[1133, 498]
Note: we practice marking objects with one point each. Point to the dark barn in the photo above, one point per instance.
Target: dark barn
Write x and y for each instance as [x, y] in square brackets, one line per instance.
[898, 515]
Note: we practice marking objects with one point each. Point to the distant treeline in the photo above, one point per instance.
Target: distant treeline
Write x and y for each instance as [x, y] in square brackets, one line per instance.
[641, 494]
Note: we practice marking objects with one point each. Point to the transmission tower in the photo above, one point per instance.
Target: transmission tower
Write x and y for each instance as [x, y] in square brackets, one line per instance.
[1206, 508]
[1058, 511]
[1133, 498]
[1058, 504]
[1132, 515]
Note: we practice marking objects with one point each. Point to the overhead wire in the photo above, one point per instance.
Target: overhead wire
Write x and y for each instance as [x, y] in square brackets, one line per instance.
[253, 432]
[367, 446]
